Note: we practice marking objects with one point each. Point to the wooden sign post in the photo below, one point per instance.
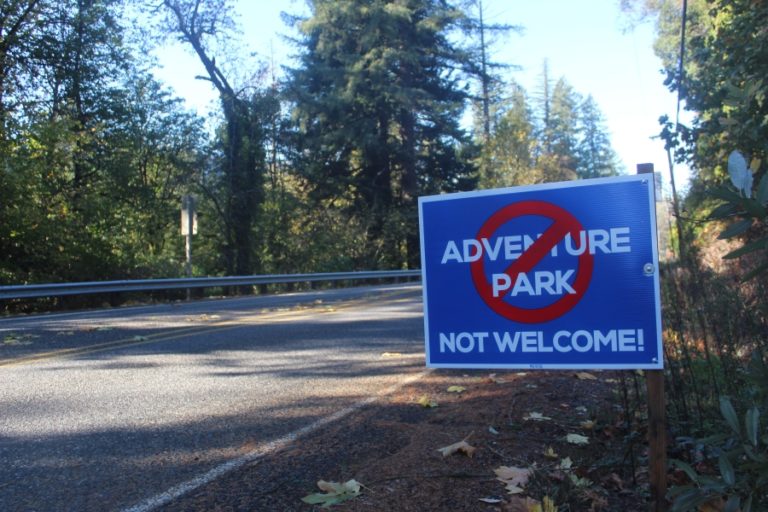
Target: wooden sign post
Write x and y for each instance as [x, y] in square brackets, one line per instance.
[657, 421]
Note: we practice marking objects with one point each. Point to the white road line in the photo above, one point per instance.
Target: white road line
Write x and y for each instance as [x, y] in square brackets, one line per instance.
[177, 491]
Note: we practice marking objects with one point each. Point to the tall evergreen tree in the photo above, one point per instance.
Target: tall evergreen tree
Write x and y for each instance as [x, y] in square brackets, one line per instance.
[595, 156]
[378, 102]
[564, 127]
[508, 155]
[483, 67]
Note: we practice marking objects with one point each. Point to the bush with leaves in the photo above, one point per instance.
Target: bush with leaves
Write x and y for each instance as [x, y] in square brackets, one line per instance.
[747, 210]
[742, 463]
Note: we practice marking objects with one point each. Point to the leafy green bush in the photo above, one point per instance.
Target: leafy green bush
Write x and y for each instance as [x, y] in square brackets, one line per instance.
[748, 211]
[742, 462]
[735, 464]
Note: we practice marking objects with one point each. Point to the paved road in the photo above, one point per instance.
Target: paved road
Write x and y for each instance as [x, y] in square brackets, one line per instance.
[108, 410]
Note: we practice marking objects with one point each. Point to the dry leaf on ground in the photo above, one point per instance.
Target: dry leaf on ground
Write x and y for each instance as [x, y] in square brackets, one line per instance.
[495, 379]
[513, 477]
[426, 402]
[536, 416]
[461, 446]
[522, 504]
[334, 493]
[585, 376]
[577, 439]
[456, 389]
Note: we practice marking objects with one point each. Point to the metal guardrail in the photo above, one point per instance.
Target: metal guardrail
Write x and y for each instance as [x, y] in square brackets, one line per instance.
[27, 291]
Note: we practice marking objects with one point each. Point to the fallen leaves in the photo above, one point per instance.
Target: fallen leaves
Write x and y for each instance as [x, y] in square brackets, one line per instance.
[515, 479]
[585, 376]
[536, 416]
[577, 439]
[456, 389]
[496, 379]
[526, 504]
[462, 446]
[14, 339]
[335, 493]
[426, 402]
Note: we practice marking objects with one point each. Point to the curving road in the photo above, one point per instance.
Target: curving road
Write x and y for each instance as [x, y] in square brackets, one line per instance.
[126, 409]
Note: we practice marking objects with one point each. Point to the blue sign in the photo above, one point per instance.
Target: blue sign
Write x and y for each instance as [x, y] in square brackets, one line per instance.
[561, 275]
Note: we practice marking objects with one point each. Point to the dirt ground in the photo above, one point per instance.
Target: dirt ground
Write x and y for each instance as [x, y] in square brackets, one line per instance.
[513, 419]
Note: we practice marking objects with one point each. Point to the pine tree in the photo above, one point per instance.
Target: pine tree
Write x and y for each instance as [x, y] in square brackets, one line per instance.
[378, 105]
[564, 128]
[507, 158]
[596, 157]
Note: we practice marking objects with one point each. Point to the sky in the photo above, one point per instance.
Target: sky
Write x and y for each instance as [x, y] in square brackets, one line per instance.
[587, 43]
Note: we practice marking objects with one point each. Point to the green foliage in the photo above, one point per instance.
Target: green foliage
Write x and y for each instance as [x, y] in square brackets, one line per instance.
[334, 494]
[740, 474]
[557, 138]
[94, 155]
[378, 112]
[724, 78]
[594, 154]
[743, 210]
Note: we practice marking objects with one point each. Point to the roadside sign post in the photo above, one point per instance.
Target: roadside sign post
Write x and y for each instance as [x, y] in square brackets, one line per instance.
[552, 276]
[657, 412]
[188, 228]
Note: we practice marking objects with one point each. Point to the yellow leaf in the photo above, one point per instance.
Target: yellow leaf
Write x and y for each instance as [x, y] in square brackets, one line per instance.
[456, 389]
[426, 402]
[461, 446]
[550, 453]
[522, 504]
[587, 425]
[585, 376]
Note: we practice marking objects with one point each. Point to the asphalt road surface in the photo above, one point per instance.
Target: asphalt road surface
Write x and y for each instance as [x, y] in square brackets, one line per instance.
[126, 409]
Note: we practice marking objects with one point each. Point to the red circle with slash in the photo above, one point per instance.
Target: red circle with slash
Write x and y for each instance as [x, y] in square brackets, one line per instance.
[563, 223]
